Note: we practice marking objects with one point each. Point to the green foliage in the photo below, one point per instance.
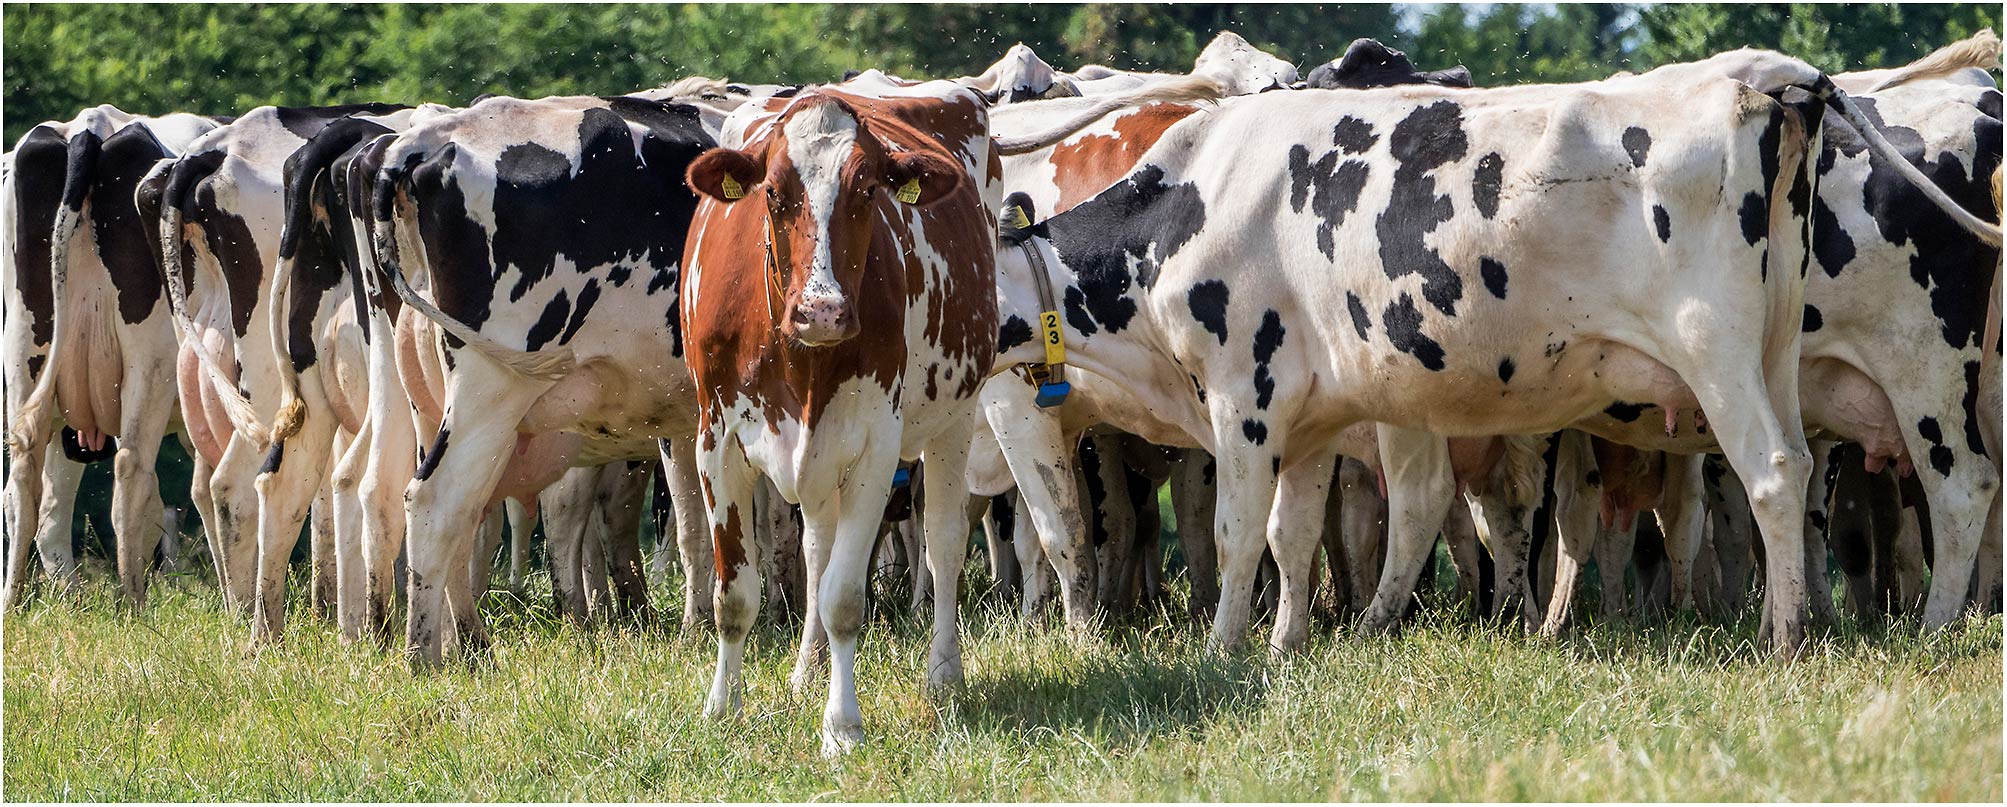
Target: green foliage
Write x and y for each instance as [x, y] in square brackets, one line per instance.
[225, 59]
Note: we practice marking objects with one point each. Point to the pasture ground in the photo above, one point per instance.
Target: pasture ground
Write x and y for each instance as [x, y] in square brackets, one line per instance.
[167, 707]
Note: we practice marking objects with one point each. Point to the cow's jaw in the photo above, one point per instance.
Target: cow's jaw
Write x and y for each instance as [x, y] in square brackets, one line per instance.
[820, 141]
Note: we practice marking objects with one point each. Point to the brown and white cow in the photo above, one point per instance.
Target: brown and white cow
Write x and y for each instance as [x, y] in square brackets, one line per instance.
[85, 336]
[841, 310]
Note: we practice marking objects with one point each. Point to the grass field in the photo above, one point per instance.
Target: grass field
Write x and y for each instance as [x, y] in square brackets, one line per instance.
[166, 707]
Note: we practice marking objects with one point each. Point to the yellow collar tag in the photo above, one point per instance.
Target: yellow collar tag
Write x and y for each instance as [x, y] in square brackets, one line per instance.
[909, 192]
[1055, 338]
[1018, 218]
[732, 188]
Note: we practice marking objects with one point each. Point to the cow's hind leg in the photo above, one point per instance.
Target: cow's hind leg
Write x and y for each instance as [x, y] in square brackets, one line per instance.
[146, 405]
[1576, 493]
[1295, 530]
[693, 535]
[624, 487]
[25, 479]
[287, 484]
[450, 491]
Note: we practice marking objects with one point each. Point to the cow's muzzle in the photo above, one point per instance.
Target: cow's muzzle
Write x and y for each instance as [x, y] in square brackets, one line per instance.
[820, 320]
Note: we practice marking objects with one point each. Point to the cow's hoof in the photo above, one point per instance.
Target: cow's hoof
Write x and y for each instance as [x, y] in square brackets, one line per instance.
[838, 741]
[721, 705]
[944, 674]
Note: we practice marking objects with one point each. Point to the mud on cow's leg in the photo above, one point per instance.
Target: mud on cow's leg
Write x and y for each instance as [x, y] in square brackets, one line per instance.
[1420, 488]
[625, 486]
[287, 482]
[1040, 459]
[323, 580]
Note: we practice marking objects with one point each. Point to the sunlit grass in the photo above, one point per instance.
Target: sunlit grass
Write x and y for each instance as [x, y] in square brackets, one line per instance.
[167, 706]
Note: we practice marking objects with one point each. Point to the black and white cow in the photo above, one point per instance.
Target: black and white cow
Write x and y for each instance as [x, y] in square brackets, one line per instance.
[84, 336]
[1367, 63]
[1429, 324]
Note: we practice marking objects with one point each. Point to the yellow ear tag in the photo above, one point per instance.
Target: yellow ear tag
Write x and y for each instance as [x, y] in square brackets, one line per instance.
[909, 192]
[1018, 218]
[732, 188]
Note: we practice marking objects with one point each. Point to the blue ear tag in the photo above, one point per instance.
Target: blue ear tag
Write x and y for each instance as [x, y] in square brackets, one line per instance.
[1052, 393]
[901, 478]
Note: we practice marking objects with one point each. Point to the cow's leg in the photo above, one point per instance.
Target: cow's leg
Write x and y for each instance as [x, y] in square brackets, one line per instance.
[321, 587]
[727, 486]
[1247, 475]
[1959, 511]
[1333, 539]
[27, 472]
[789, 583]
[811, 651]
[1818, 514]
[1576, 499]
[1682, 520]
[481, 563]
[204, 500]
[1986, 582]
[1614, 548]
[1732, 525]
[693, 538]
[999, 525]
[1034, 572]
[290, 478]
[593, 583]
[1507, 527]
[1041, 461]
[451, 490]
[567, 509]
[522, 527]
[625, 486]
[945, 511]
[842, 597]
[1766, 446]
[1365, 534]
[344, 490]
[387, 469]
[1193, 496]
[1459, 531]
[146, 403]
[56, 520]
[232, 486]
[1114, 515]
[1420, 489]
[1295, 527]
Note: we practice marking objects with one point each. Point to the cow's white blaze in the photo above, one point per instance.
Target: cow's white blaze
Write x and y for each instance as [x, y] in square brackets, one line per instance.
[820, 140]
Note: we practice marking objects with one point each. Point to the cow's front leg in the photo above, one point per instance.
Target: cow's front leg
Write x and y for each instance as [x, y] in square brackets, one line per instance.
[1041, 461]
[842, 601]
[727, 482]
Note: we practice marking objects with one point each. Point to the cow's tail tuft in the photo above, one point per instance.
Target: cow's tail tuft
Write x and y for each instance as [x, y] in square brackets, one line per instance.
[549, 364]
[1525, 467]
[1981, 50]
[1181, 90]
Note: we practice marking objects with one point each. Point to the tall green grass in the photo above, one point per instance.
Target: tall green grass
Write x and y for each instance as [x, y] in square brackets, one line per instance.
[168, 706]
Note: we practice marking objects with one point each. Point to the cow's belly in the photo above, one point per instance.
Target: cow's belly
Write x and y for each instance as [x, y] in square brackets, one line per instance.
[1551, 386]
[606, 399]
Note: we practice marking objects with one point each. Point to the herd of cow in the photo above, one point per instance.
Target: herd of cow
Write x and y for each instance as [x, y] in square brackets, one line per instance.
[1345, 301]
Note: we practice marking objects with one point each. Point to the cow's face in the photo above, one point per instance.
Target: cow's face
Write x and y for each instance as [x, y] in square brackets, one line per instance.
[821, 175]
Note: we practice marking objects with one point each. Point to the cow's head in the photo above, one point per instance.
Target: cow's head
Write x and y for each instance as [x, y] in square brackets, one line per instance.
[1242, 68]
[821, 174]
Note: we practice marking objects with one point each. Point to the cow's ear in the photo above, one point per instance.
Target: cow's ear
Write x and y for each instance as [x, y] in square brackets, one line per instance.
[726, 175]
[919, 178]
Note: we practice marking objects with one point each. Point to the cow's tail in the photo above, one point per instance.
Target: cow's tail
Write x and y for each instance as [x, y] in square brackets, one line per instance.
[311, 165]
[549, 364]
[180, 195]
[1182, 90]
[79, 174]
[1525, 466]
[1981, 50]
[1989, 353]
